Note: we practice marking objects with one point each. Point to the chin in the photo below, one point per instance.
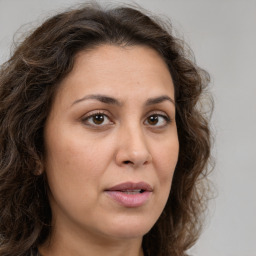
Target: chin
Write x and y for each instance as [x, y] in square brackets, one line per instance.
[129, 229]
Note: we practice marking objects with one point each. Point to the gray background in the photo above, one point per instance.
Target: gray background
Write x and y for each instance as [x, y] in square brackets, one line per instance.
[222, 35]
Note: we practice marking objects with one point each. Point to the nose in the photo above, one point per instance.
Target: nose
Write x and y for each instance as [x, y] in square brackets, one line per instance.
[132, 148]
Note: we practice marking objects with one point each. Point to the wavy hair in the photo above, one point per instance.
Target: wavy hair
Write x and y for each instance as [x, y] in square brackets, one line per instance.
[28, 83]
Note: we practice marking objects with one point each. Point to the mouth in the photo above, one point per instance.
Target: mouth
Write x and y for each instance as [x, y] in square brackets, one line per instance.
[138, 187]
[130, 194]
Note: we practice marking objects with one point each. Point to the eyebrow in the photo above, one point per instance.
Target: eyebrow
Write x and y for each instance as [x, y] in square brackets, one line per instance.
[158, 100]
[101, 98]
[112, 101]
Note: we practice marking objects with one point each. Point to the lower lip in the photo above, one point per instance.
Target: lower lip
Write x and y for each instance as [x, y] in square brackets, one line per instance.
[130, 200]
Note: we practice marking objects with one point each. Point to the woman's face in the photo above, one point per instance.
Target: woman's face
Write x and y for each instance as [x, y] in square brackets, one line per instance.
[111, 143]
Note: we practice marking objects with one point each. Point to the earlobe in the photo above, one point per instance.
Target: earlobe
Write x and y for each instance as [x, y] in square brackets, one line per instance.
[39, 169]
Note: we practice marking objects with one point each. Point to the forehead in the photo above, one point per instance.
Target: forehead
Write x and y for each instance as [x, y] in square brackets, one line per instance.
[119, 71]
[112, 58]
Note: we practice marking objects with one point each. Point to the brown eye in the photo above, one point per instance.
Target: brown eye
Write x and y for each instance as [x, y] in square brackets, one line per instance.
[153, 120]
[158, 120]
[98, 119]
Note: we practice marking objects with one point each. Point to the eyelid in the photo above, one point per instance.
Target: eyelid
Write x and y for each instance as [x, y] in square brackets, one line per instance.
[162, 114]
[90, 114]
[158, 112]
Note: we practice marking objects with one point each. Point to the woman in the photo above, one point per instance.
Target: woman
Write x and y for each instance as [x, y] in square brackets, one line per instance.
[104, 149]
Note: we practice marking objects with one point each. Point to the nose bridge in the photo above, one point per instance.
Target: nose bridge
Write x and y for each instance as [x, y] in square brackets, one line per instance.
[133, 148]
[136, 139]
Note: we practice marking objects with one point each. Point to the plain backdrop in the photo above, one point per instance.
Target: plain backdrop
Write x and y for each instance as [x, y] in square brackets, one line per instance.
[222, 34]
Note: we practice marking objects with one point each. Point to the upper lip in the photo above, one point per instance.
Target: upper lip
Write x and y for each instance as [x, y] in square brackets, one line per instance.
[127, 186]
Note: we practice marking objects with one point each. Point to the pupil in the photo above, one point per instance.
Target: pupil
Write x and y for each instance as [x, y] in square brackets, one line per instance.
[153, 119]
[98, 119]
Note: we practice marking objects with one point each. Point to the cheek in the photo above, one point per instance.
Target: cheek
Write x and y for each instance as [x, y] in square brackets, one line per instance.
[73, 175]
[166, 158]
[74, 162]
[70, 163]
[167, 155]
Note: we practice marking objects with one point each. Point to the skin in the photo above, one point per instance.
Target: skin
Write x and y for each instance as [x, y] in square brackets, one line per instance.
[85, 155]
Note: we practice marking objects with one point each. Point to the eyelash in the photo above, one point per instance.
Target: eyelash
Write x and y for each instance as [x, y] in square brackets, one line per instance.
[91, 115]
[86, 119]
[166, 118]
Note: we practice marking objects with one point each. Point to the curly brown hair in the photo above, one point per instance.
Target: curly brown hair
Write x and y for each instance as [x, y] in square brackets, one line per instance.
[28, 82]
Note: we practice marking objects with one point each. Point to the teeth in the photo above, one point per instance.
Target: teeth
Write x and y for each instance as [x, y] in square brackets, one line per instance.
[132, 192]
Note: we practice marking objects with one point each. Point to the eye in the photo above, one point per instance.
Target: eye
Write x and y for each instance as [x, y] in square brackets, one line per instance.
[97, 119]
[157, 120]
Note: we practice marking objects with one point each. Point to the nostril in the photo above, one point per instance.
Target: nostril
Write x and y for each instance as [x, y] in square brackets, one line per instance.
[127, 162]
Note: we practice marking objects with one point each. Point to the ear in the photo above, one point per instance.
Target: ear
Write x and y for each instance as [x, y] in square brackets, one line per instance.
[39, 169]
